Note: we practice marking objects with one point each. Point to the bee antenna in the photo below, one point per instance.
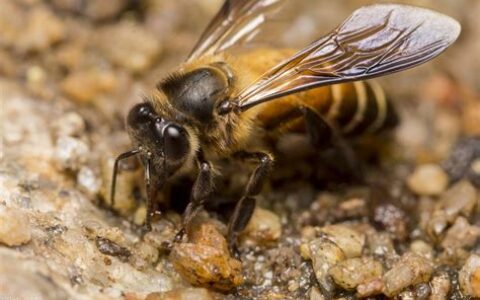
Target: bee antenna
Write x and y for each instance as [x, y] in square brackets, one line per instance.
[115, 172]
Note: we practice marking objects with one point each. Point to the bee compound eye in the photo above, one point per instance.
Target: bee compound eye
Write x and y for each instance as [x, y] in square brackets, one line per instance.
[140, 114]
[176, 142]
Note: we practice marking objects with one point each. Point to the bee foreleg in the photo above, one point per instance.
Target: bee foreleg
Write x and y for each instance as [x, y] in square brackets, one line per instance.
[322, 133]
[202, 189]
[245, 207]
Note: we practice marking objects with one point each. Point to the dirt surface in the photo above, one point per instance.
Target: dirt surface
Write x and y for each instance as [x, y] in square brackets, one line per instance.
[71, 69]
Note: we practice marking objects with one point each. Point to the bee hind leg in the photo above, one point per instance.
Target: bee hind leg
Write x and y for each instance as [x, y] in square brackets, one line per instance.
[322, 133]
[202, 190]
[245, 207]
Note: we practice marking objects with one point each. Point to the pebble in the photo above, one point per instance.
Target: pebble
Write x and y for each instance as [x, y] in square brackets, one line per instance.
[410, 270]
[96, 10]
[350, 241]
[88, 180]
[469, 276]
[352, 272]
[140, 48]
[422, 248]
[391, 218]
[70, 153]
[460, 199]
[205, 259]
[461, 235]
[69, 124]
[264, 228]
[182, 294]
[144, 255]
[422, 291]
[41, 30]
[314, 294]
[371, 288]
[380, 244]
[428, 180]
[440, 286]
[14, 227]
[324, 254]
[87, 86]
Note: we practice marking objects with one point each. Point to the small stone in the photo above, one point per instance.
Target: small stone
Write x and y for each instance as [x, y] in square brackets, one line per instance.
[381, 244]
[264, 227]
[410, 270]
[139, 48]
[371, 288]
[41, 30]
[392, 219]
[14, 227]
[182, 294]
[428, 180]
[324, 254]
[350, 241]
[96, 10]
[469, 276]
[205, 261]
[422, 291]
[461, 235]
[69, 124]
[422, 248]
[87, 86]
[144, 255]
[461, 199]
[70, 153]
[355, 271]
[314, 294]
[440, 286]
[437, 224]
[88, 180]
[110, 248]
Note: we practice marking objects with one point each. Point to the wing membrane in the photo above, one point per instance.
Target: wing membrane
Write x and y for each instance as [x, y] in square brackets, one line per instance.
[374, 41]
[238, 21]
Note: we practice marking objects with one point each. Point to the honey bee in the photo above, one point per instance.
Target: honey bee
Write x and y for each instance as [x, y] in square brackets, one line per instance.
[220, 105]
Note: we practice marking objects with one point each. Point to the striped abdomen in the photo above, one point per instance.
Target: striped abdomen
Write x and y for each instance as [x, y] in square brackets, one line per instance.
[354, 108]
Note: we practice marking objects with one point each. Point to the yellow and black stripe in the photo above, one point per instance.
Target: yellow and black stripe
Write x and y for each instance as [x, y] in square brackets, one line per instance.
[354, 108]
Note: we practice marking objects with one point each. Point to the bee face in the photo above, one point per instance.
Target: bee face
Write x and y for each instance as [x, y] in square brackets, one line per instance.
[166, 142]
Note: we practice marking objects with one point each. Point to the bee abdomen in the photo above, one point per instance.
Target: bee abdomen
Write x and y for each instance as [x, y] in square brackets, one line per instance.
[354, 108]
[360, 107]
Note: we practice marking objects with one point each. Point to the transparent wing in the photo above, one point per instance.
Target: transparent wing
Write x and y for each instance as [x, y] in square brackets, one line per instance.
[237, 22]
[374, 41]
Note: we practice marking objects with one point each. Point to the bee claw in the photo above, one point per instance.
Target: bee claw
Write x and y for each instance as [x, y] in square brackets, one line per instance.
[179, 236]
[234, 252]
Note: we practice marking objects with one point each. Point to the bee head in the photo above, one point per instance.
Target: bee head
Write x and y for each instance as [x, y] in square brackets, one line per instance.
[198, 92]
[162, 143]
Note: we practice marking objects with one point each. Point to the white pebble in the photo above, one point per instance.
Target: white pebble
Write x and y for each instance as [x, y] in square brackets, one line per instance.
[428, 180]
[70, 153]
[14, 227]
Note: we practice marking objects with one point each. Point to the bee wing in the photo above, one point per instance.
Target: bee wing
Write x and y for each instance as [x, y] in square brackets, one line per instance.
[375, 40]
[237, 21]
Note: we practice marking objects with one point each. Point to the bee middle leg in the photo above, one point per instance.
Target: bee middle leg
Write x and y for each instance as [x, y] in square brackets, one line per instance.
[244, 208]
[321, 134]
[202, 189]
